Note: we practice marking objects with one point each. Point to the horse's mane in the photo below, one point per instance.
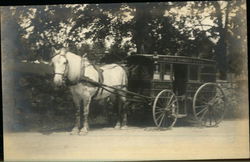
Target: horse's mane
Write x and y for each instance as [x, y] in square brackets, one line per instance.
[75, 66]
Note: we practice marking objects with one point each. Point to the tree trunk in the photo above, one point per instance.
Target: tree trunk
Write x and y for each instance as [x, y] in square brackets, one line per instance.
[8, 41]
[221, 47]
[139, 28]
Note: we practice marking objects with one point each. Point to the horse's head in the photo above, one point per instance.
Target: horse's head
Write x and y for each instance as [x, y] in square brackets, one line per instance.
[60, 65]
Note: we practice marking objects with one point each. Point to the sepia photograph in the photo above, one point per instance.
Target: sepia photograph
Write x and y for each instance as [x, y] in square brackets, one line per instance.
[125, 81]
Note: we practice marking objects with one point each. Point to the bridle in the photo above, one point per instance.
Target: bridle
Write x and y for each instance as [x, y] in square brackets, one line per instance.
[63, 74]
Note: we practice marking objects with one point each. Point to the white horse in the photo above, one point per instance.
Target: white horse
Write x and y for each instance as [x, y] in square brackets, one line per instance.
[71, 68]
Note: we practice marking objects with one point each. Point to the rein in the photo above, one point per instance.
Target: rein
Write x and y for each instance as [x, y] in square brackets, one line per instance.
[92, 82]
[59, 73]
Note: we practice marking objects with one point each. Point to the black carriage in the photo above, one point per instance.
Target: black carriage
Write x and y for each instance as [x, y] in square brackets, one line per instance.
[177, 86]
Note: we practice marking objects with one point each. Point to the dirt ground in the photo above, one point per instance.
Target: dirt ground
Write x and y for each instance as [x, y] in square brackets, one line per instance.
[229, 140]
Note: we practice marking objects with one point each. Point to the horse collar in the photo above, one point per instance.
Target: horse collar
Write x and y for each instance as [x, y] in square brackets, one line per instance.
[82, 72]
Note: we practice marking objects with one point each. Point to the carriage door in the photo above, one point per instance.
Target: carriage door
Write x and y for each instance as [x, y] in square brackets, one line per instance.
[180, 79]
[179, 85]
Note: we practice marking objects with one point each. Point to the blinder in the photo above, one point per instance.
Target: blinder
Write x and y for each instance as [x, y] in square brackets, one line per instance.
[66, 66]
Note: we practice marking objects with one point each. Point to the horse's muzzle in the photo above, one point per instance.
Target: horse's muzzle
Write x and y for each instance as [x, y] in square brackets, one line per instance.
[58, 82]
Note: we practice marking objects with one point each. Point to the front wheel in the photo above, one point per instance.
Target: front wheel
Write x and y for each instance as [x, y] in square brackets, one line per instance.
[209, 104]
[165, 109]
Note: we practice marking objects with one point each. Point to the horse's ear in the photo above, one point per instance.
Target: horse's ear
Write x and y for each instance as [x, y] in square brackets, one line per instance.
[84, 55]
[63, 51]
[54, 52]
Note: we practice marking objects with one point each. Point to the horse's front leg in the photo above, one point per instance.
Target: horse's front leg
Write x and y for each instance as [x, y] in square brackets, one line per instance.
[77, 123]
[86, 103]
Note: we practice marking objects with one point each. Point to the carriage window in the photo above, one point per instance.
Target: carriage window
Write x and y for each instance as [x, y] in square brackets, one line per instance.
[167, 72]
[156, 72]
[208, 74]
[193, 72]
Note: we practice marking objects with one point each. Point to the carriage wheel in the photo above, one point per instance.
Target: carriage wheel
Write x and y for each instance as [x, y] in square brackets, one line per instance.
[165, 109]
[209, 104]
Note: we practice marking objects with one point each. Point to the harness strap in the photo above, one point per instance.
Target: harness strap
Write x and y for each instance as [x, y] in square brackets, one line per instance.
[99, 84]
[100, 80]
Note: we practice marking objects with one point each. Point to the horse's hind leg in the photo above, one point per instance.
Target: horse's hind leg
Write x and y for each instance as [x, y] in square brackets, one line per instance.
[118, 107]
[124, 113]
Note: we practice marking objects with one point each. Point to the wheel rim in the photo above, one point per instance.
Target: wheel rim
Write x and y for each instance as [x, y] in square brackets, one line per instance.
[165, 109]
[209, 104]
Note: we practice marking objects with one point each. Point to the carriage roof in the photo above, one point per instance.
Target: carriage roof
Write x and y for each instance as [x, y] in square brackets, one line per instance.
[170, 59]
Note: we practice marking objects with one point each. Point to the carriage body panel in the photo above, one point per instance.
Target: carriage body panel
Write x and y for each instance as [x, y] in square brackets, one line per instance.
[149, 74]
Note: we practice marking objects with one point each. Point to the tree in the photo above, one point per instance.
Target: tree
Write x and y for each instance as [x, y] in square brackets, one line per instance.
[237, 37]
[198, 29]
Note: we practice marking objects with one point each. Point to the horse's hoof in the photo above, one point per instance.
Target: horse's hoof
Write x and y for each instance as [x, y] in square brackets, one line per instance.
[74, 131]
[124, 127]
[117, 127]
[82, 133]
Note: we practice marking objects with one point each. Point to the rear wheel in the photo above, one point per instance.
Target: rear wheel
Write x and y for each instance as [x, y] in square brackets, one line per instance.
[209, 104]
[165, 109]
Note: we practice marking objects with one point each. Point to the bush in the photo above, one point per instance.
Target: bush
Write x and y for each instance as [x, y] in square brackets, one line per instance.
[38, 104]
[234, 96]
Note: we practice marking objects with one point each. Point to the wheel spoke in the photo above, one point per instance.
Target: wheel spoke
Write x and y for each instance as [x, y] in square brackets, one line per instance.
[218, 95]
[162, 102]
[201, 111]
[217, 102]
[165, 122]
[159, 112]
[205, 121]
[200, 106]
[210, 118]
[159, 108]
[219, 107]
[170, 100]
[204, 113]
[159, 116]
[162, 119]
[173, 101]
[203, 99]
[214, 117]
[205, 96]
[216, 98]
[201, 102]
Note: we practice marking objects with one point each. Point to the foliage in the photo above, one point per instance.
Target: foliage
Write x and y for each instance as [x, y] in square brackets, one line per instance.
[209, 29]
[237, 38]
[38, 104]
[234, 100]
